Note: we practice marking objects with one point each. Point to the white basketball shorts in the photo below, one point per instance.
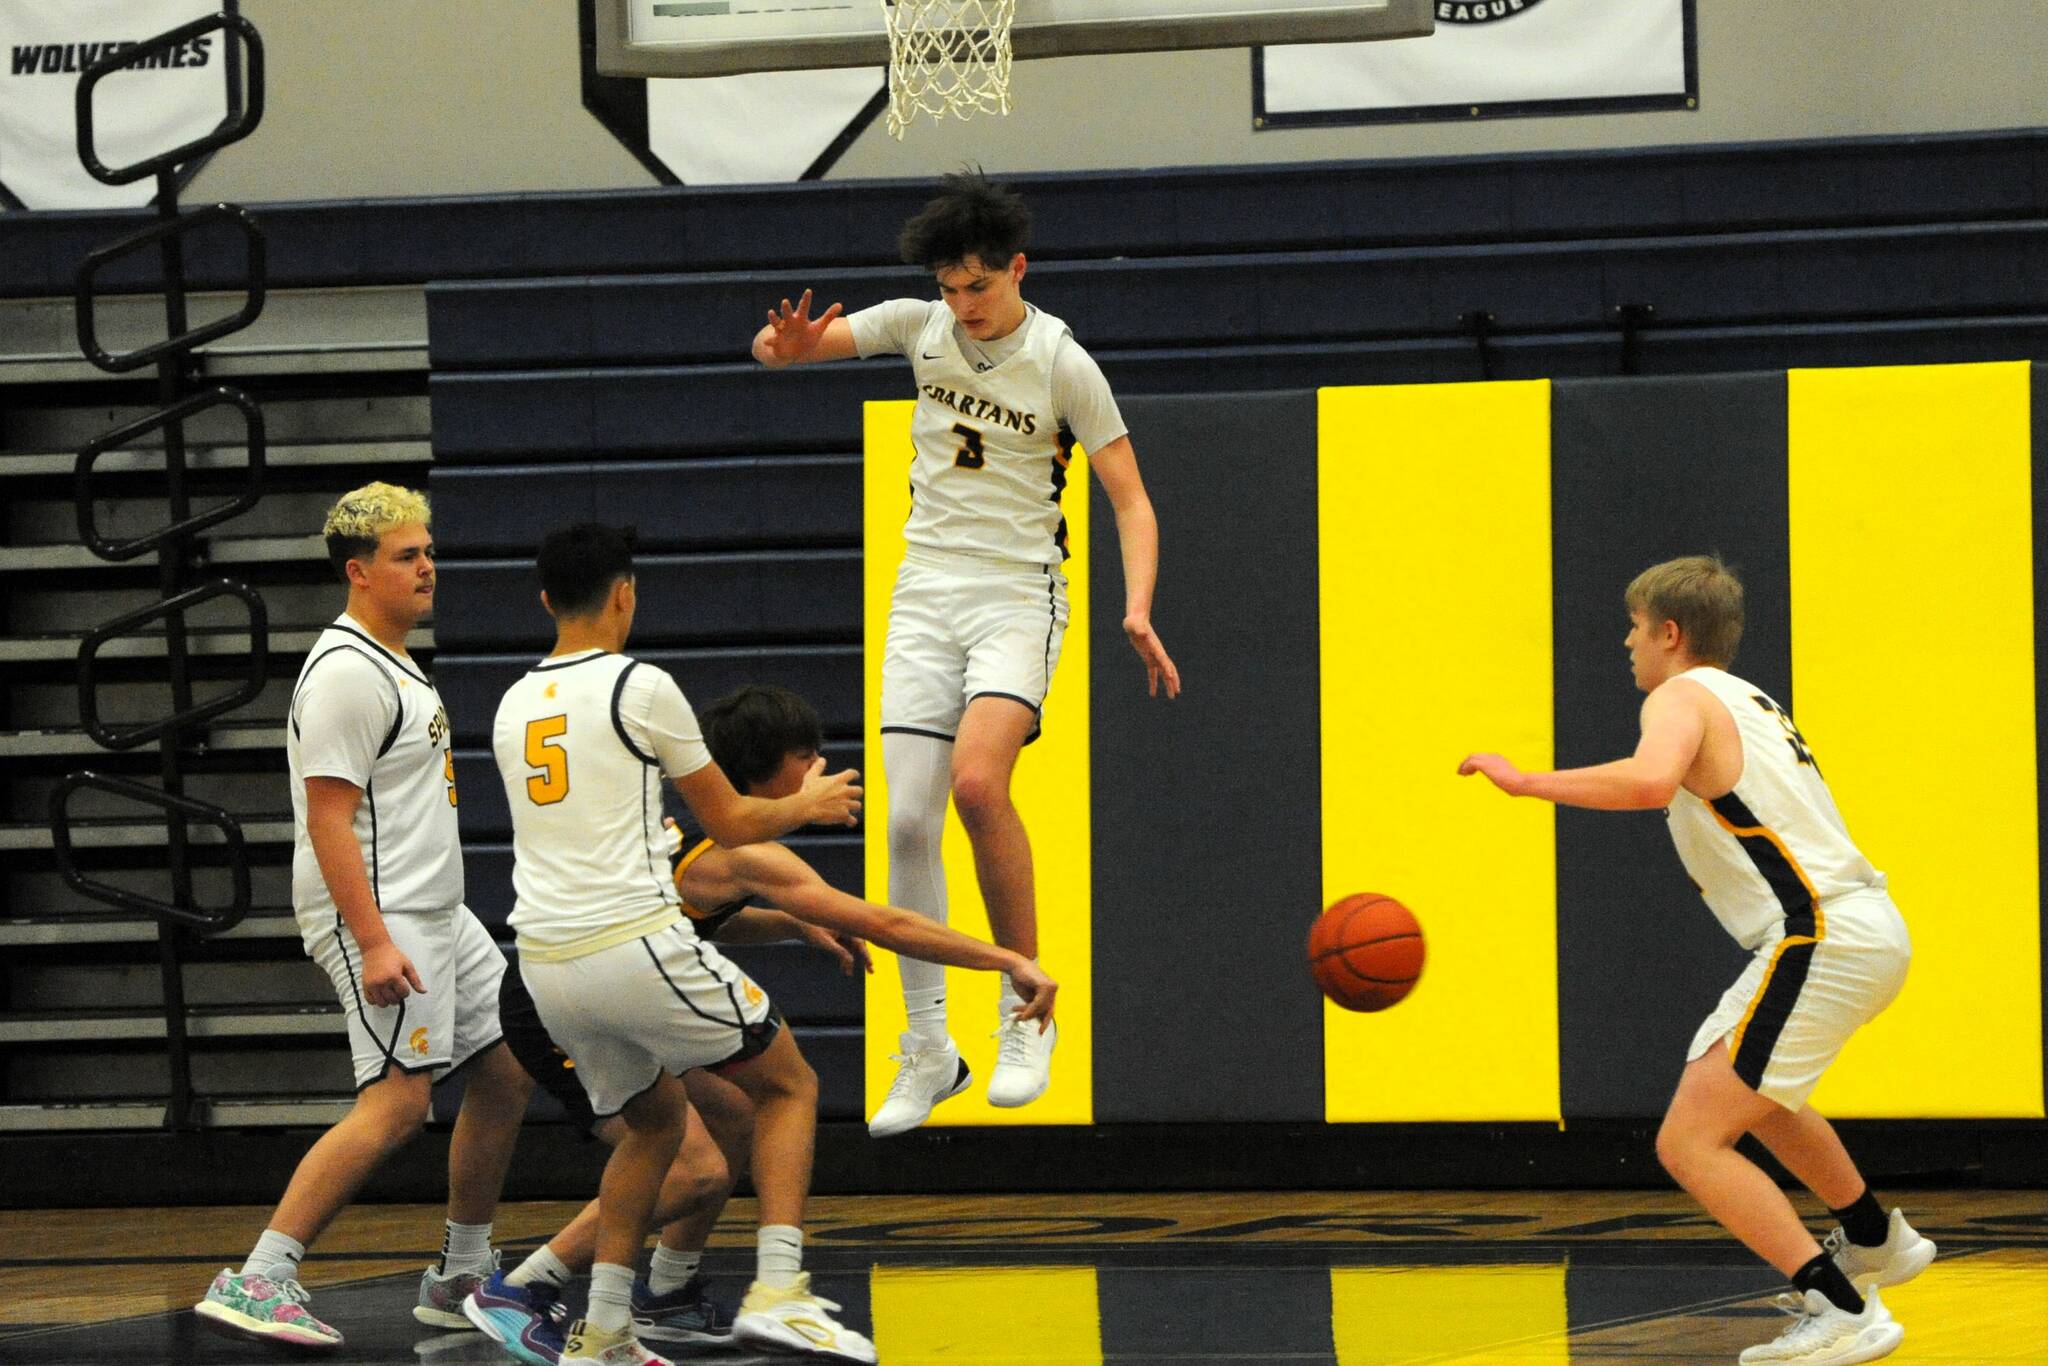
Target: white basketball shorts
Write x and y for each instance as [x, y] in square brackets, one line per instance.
[665, 1002]
[435, 1031]
[1796, 1004]
[962, 628]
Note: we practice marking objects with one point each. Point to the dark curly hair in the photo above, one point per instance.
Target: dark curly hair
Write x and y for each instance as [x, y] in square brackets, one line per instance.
[751, 731]
[971, 216]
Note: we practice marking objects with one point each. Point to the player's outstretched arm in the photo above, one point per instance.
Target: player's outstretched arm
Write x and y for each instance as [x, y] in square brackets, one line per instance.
[764, 925]
[732, 819]
[1674, 727]
[779, 877]
[388, 975]
[1137, 536]
[794, 337]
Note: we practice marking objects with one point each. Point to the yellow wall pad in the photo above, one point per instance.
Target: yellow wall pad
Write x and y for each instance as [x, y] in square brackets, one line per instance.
[1434, 525]
[986, 1314]
[1050, 788]
[1913, 679]
[1446, 1313]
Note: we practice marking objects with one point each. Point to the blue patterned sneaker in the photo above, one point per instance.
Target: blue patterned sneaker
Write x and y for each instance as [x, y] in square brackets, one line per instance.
[686, 1316]
[269, 1311]
[526, 1320]
[441, 1296]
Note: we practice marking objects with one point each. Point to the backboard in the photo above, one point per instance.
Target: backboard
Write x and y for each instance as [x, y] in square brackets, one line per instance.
[727, 37]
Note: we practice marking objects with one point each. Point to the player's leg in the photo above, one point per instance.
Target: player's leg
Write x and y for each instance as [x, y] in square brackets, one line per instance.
[784, 1092]
[264, 1300]
[673, 1305]
[495, 1093]
[1871, 1246]
[923, 673]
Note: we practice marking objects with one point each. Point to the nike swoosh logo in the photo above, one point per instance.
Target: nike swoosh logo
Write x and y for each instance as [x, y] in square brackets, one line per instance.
[928, 355]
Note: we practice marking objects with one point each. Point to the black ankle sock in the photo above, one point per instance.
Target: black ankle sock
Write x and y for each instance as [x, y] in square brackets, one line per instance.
[1865, 1222]
[1823, 1275]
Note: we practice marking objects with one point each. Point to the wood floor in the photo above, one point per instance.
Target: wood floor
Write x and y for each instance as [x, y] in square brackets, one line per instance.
[1405, 1277]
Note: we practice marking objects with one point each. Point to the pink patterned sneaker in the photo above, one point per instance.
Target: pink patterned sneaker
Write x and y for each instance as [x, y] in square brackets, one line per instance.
[269, 1311]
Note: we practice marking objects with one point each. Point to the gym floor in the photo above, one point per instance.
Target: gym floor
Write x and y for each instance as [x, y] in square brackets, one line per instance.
[1351, 1278]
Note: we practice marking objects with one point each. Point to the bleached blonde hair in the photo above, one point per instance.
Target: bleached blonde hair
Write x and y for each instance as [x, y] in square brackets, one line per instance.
[360, 517]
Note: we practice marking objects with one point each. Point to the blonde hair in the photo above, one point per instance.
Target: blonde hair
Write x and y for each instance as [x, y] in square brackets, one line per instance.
[1702, 595]
[360, 517]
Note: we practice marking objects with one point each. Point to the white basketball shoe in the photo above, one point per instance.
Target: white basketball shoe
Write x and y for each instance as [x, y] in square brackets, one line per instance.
[1903, 1255]
[1023, 1062]
[927, 1076]
[1823, 1335]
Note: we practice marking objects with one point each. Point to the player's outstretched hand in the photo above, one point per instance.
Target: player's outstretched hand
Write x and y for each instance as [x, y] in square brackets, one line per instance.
[849, 951]
[831, 799]
[389, 976]
[794, 332]
[1037, 988]
[1498, 771]
[1158, 664]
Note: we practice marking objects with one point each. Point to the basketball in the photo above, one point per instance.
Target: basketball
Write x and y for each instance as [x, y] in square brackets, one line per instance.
[1365, 952]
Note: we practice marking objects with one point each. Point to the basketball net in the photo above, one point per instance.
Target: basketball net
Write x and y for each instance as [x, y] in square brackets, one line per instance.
[948, 57]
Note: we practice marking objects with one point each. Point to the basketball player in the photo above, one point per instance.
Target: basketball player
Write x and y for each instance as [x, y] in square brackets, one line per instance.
[1004, 392]
[377, 889]
[1757, 829]
[619, 978]
[766, 739]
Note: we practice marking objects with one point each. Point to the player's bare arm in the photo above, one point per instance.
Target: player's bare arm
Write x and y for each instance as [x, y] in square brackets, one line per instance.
[1137, 536]
[766, 925]
[794, 337]
[779, 877]
[388, 975]
[1674, 722]
[732, 819]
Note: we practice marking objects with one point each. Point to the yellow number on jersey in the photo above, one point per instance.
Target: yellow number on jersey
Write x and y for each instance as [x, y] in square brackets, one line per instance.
[448, 772]
[551, 784]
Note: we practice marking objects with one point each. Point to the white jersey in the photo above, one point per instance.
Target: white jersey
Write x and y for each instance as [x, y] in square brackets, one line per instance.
[370, 717]
[583, 742]
[1773, 850]
[991, 451]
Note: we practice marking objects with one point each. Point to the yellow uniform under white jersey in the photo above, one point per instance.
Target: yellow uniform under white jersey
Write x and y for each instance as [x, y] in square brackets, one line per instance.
[362, 714]
[583, 743]
[1766, 854]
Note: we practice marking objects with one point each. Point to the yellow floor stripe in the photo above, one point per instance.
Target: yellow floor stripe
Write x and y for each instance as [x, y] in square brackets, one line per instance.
[987, 1314]
[1436, 640]
[1051, 791]
[1383, 1315]
[1913, 678]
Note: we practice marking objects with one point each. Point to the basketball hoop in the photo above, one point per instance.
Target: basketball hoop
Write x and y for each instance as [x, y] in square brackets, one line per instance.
[948, 57]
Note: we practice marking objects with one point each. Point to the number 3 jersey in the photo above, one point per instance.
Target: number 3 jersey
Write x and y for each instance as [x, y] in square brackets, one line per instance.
[994, 428]
[583, 743]
[1775, 849]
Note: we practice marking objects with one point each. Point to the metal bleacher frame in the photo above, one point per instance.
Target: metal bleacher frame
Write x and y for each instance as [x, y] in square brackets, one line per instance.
[179, 398]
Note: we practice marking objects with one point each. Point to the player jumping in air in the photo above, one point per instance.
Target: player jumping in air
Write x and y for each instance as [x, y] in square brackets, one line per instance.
[1004, 392]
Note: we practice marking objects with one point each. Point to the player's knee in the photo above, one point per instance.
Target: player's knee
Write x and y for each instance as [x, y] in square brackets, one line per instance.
[979, 797]
[394, 1117]
[1677, 1147]
[913, 834]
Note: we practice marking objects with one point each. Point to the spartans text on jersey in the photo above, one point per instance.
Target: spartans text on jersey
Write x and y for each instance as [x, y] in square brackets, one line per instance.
[982, 409]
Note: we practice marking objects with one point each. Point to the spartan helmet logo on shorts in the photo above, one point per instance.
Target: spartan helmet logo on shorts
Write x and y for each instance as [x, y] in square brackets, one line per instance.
[1481, 11]
[418, 1041]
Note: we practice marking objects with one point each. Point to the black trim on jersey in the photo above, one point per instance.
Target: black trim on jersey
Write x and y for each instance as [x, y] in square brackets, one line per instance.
[917, 730]
[1785, 881]
[545, 667]
[1052, 622]
[397, 721]
[1767, 1019]
[665, 887]
[1008, 697]
[739, 1020]
[619, 723]
[396, 662]
[1038, 712]
[376, 864]
[1064, 455]
[718, 917]
[738, 1012]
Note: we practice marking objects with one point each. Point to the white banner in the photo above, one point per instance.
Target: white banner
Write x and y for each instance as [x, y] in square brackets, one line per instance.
[171, 99]
[1490, 58]
[760, 127]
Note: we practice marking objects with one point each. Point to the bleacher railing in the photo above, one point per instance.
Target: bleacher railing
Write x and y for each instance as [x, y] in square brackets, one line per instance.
[180, 396]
